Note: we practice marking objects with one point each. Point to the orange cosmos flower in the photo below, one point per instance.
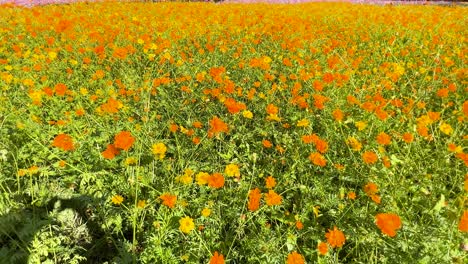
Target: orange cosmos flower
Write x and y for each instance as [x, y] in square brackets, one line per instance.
[254, 199]
[335, 238]
[371, 188]
[321, 145]
[110, 152]
[168, 199]
[299, 225]
[295, 258]
[384, 139]
[216, 180]
[338, 115]
[408, 137]
[197, 124]
[369, 157]
[322, 248]
[465, 108]
[271, 109]
[60, 89]
[266, 143]
[463, 224]
[388, 223]
[272, 198]
[173, 127]
[317, 159]
[217, 258]
[217, 126]
[270, 182]
[310, 138]
[123, 140]
[64, 142]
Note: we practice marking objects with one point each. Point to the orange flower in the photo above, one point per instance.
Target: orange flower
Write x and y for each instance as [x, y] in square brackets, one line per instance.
[272, 198]
[217, 126]
[197, 124]
[375, 198]
[110, 152]
[321, 146]
[318, 159]
[338, 115]
[64, 142]
[216, 180]
[335, 238]
[351, 195]
[322, 248]
[270, 182]
[463, 224]
[266, 143]
[408, 137]
[123, 140]
[299, 225]
[295, 258]
[60, 89]
[217, 258]
[310, 138]
[465, 108]
[371, 188]
[168, 199]
[369, 157]
[254, 199]
[173, 127]
[384, 139]
[271, 109]
[388, 223]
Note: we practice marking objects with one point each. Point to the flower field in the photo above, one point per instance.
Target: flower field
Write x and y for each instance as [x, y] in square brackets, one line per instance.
[233, 133]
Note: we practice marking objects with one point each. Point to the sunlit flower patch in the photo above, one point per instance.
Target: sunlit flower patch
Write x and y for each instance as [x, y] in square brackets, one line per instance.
[230, 133]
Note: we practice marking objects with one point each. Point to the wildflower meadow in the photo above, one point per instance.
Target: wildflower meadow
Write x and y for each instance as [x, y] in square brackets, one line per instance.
[233, 133]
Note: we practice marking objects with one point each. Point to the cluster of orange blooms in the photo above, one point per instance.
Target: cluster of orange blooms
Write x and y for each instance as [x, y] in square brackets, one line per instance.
[319, 106]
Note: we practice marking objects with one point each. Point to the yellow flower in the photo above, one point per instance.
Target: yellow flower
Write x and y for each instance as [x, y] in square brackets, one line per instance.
[52, 55]
[247, 114]
[187, 177]
[141, 204]
[186, 225]
[117, 199]
[361, 125]
[232, 170]
[303, 123]
[354, 143]
[446, 128]
[159, 149]
[202, 178]
[273, 118]
[130, 161]
[206, 212]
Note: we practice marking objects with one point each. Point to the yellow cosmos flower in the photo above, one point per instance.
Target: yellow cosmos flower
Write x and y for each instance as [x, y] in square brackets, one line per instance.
[141, 204]
[206, 212]
[361, 125]
[117, 199]
[159, 149]
[186, 225]
[232, 170]
[354, 143]
[446, 128]
[187, 177]
[202, 178]
[303, 123]
[247, 114]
